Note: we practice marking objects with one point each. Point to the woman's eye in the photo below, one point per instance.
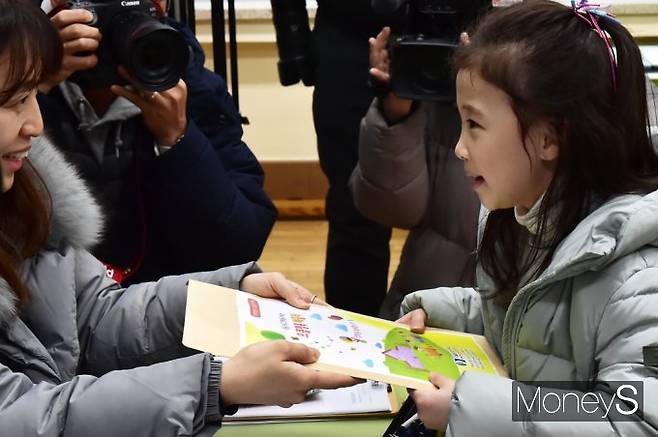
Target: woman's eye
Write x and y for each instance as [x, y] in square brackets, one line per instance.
[16, 102]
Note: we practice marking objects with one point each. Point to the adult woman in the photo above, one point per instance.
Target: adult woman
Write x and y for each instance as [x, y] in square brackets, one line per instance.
[71, 339]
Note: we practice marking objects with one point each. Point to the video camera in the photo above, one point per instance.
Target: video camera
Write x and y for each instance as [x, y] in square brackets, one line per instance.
[421, 50]
[134, 36]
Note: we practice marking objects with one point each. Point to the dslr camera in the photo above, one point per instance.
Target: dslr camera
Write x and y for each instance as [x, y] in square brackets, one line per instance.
[134, 36]
[421, 50]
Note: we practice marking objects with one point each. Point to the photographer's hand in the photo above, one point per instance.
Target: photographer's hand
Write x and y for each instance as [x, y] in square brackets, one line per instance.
[379, 60]
[164, 112]
[395, 108]
[80, 41]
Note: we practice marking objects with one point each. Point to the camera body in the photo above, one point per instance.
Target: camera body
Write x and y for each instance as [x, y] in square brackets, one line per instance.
[134, 36]
[421, 51]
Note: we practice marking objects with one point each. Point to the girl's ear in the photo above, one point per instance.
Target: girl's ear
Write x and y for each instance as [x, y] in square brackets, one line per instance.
[546, 141]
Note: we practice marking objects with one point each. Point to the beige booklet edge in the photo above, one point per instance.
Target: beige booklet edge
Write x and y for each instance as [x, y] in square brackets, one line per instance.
[212, 325]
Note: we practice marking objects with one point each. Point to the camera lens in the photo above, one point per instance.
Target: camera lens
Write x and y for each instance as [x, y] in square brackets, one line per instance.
[420, 69]
[153, 53]
[433, 69]
[153, 56]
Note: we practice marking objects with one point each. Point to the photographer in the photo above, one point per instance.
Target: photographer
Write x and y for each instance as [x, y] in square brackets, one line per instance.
[356, 269]
[182, 192]
[409, 177]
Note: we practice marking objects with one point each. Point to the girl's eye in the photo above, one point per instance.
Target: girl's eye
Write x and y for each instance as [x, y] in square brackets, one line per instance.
[472, 124]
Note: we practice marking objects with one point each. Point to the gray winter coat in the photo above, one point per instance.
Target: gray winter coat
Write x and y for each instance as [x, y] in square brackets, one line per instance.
[69, 360]
[586, 318]
[409, 177]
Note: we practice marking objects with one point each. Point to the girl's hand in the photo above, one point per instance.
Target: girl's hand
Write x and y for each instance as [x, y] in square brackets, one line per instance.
[164, 112]
[433, 404]
[416, 319]
[395, 108]
[276, 285]
[272, 373]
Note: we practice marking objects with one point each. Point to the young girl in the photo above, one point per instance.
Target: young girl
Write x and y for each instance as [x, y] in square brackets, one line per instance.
[555, 141]
[72, 340]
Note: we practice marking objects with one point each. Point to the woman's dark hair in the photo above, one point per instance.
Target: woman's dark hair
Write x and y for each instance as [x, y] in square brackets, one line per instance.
[557, 69]
[32, 50]
[31, 45]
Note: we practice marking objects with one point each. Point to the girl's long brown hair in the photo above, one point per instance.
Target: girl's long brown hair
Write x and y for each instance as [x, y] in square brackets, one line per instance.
[32, 50]
[556, 69]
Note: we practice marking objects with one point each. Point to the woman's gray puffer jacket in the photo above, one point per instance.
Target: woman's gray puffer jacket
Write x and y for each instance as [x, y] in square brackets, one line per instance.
[586, 319]
[69, 360]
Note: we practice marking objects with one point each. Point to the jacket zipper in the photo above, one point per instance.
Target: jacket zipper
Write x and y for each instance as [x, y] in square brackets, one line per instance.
[511, 343]
[512, 326]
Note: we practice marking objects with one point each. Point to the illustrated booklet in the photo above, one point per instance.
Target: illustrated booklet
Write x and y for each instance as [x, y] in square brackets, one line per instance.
[222, 321]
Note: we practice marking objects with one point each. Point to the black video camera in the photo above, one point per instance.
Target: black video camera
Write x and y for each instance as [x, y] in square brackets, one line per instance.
[134, 36]
[421, 54]
[293, 38]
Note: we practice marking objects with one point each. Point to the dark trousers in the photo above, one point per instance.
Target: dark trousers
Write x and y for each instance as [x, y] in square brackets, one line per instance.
[356, 269]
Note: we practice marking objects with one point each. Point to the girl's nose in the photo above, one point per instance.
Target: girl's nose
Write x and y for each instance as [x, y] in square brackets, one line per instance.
[460, 150]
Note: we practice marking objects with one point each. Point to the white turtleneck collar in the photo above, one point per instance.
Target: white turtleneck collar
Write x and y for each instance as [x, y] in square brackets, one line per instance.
[529, 219]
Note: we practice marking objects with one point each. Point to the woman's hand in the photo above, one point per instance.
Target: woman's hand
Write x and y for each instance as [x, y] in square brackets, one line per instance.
[416, 320]
[80, 42]
[433, 404]
[164, 112]
[395, 108]
[276, 285]
[273, 373]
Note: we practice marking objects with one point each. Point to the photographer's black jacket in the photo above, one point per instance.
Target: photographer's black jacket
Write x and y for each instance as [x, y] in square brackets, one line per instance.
[355, 16]
[200, 206]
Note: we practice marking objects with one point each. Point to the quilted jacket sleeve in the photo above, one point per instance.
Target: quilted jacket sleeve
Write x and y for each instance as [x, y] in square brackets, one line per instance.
[134, 376]
[168, 398]
[454, 308]
[390, 183]
[629, 322]
[139, 325]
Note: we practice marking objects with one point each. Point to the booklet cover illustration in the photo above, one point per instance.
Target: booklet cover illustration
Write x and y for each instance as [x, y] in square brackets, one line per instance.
[349, 343]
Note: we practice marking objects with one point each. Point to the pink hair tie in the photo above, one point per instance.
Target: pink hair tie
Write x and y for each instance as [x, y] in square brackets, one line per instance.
[590, 14]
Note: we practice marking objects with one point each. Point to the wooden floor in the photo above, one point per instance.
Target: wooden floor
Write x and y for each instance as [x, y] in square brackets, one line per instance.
[297, 249]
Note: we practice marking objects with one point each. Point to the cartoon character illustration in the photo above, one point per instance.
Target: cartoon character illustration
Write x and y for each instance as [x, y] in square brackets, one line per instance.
[408, 354]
